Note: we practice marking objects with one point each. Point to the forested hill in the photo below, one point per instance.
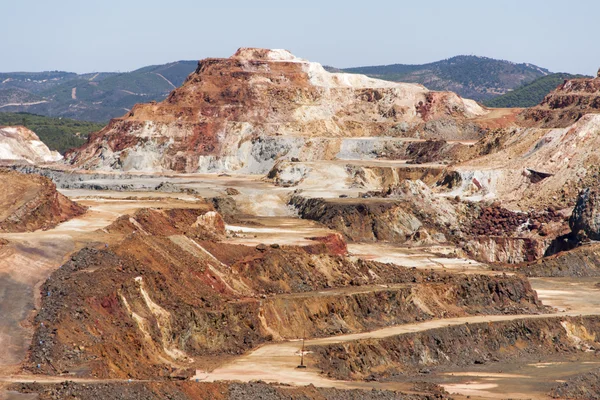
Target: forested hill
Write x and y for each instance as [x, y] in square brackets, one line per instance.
[95, 96]
[474, 77]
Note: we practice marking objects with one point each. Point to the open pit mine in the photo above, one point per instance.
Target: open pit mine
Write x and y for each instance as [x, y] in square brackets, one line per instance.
[275, 231]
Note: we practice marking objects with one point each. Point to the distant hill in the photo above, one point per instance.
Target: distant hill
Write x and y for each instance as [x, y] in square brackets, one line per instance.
[101, 96]
[532, 93]
[94, 96]
[478, 78]
[58, 134]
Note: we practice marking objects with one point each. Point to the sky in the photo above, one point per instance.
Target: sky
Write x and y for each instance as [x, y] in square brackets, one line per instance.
[123, 35]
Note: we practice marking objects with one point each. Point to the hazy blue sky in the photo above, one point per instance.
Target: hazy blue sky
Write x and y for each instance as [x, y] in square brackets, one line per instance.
[111, 35]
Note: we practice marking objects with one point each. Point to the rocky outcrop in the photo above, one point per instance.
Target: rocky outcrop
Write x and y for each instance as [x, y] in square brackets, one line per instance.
[566, 104]
[31, 202]
[18, 143]
[586, 214]
[505, 250]
[245, 112]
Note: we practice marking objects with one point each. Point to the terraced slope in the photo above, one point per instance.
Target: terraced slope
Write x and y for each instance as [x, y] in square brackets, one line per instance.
[234, 298]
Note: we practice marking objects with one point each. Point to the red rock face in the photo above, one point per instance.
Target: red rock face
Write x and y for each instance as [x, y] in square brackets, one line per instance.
[255, 107]
[566, 104]
[334, 244]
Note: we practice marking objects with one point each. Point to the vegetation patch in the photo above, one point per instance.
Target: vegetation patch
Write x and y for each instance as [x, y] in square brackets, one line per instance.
[530, 94]
[58, 134]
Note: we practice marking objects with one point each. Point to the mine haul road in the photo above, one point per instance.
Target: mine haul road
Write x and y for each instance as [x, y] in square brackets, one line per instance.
[31, 257]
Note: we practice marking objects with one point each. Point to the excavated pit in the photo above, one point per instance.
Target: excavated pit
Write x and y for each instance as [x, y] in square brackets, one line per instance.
[256, 294]
[154, 282]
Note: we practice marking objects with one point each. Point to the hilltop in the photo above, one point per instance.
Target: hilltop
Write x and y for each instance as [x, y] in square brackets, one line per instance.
[100, 96]
[473, 77]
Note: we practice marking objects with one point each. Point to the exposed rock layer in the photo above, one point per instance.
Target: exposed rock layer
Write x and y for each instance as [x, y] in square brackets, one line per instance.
[567, 103]
[462, 345]
[586, 214]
